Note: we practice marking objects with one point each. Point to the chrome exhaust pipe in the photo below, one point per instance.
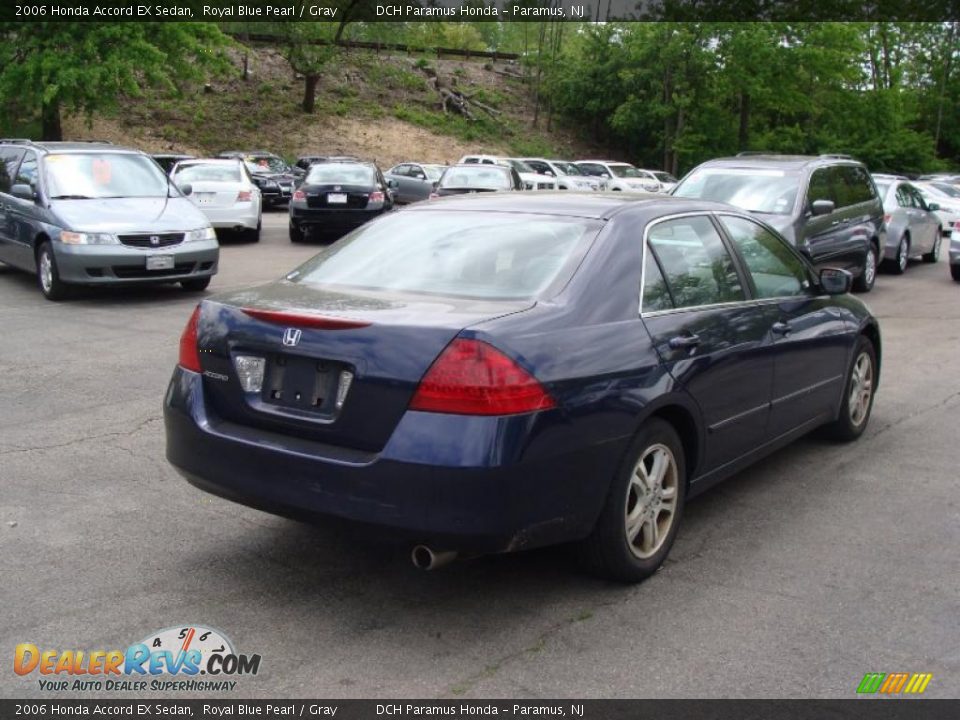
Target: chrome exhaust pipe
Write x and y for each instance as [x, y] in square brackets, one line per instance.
[424, 558]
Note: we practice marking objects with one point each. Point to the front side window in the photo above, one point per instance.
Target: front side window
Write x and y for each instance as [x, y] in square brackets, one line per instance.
[27, 174]
[697, 267]
[9, 159]
[103, 175]
[820, 188]
[775, 270]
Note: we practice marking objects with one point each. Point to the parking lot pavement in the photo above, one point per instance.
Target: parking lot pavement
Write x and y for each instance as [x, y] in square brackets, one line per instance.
[794, 579]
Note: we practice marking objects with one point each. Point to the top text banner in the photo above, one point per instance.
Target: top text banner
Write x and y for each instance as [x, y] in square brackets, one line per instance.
[478, 10]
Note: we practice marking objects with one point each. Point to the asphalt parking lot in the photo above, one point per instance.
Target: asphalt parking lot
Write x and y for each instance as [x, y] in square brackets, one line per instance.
[818, 565]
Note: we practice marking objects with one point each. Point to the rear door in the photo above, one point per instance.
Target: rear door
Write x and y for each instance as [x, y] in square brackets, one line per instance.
[926, 222]
[809, 338]
[22, 215]
[9, 160]
[711, 338]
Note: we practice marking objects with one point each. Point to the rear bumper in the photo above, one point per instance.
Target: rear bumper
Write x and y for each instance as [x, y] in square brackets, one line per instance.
[245, 215]
[322, 220]
[441, 480]
[110, 264]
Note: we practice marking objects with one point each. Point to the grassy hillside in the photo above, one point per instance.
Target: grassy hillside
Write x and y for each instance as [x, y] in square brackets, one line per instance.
[376, 106]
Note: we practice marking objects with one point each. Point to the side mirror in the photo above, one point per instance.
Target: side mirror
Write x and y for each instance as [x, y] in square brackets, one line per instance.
[391, 183]
[605, 176]
[933, 207]
[549, 172]
[24, 192]
[835, 281]
[823, 207]
[436, 184]
[186, 188]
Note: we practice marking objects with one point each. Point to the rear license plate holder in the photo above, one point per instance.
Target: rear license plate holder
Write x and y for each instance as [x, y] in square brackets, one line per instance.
[301, 383]
[159, 262]
[336, 199]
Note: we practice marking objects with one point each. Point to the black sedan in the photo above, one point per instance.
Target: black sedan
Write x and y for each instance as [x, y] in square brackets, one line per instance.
[337, 197]
[509, 370]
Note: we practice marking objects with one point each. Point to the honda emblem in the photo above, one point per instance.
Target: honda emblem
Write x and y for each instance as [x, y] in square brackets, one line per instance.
[154, 240]
[291, 336]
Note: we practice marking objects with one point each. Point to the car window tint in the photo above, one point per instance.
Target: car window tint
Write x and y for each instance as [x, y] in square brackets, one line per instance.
[656, 294]
[903, 197]
[9, 159]
[27, 174]
[775, 270]
[843, 195]
[820, 187]
[858, 183]
[698, 268]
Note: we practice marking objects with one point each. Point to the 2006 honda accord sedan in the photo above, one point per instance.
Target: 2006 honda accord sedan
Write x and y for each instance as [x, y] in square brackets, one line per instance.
[499, 372]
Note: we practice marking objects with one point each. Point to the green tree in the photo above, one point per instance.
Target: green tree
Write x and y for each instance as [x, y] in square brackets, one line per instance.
[47, 68]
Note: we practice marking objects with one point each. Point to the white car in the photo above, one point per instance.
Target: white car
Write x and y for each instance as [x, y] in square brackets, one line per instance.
[568, 175]
[948, 198]
[624, 177]
[532, 180]
[224, 192]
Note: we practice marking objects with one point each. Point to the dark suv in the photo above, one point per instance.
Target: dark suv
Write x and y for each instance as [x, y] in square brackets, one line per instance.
[826, 205]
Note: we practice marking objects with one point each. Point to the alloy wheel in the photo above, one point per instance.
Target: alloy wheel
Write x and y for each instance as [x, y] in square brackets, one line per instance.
[861, 389]
[870, 268]
[651, 500]
[46, 271]
[902, 254]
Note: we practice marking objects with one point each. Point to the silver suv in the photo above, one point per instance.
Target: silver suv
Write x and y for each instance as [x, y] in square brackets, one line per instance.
[97, 214]
[826, 205]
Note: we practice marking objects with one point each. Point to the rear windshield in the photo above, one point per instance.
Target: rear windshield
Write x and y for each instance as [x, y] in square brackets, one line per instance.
[754, 189]
[433, 171]
[485, 177]
[103, 175]
[212, 172]
[496, 256]
[341, 174]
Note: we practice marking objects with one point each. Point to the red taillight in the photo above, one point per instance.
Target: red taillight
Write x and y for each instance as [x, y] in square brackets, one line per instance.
[299, 195]
[473, 378]
[319, 322]
[244, 196]
[434, 196]
[376, 196]
[189, 354]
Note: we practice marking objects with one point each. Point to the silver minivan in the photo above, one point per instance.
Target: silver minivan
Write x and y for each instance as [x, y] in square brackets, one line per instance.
[96, 214]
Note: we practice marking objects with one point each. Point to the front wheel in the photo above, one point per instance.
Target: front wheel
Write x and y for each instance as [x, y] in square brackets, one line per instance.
[857, 401]
[868, 273]
[48, 276]
[640, 518]
[934, 254]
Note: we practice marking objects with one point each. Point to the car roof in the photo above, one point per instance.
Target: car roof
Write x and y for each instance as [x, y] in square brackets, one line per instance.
[772, 160]
[58, 146]
[604, 162]
[209, 161]
[564, 203]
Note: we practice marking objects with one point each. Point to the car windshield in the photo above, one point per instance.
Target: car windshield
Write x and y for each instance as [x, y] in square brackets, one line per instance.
[521, 166]
[340, 174]
[265, 164]
[495, 256]
[946, 189]
[625, 171]
[757, 190]
[568, 168]
[104, 175]
[664, 177]
[481, 177]
[433, 171]
[208, 172]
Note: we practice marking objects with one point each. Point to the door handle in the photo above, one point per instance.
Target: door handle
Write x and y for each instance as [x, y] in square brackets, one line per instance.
[781, 328]
[684, 341]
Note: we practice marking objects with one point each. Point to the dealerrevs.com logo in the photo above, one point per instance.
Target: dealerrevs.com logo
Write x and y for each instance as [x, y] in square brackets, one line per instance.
[184, 658]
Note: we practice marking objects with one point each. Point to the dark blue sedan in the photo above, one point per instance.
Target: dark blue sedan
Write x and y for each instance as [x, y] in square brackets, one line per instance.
[494, 373]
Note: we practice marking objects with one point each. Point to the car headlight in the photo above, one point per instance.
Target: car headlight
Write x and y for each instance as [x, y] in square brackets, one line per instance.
[207, 233]
[81, 238]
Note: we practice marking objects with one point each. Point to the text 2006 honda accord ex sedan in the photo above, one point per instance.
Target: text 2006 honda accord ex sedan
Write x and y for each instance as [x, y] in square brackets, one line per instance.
[487, 374]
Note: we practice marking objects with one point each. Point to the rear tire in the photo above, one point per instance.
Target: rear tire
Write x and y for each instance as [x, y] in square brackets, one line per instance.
[48, 276]
[858, 393]
[934, 254]
[296, 234]
[253, 235]
[868, 273]
[644, 506]
[198, 285]
[899, 264]
[955, 272]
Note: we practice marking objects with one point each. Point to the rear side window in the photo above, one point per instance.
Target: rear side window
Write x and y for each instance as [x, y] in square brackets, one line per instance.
[697, 267]
[656, 294]
[775, 270]
[858, 183]
[904, 199]
[497, 256]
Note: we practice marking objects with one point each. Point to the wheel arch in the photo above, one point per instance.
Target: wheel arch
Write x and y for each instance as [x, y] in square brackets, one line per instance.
[682, 417]
[872, 332]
